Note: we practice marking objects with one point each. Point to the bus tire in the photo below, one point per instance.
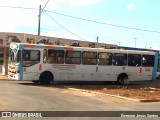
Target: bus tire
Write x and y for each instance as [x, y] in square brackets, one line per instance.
[46, 78]
[122, 79]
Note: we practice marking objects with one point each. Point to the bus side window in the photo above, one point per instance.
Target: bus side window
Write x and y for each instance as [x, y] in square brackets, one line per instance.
[89, 58]
[55, 56]
[148, 60]
[26, 55]
[120, 59]
[30, 57]
[105, 59]
[134, 60]
[73, 57]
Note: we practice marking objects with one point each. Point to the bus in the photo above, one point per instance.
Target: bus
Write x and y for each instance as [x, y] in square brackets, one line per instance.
[52, 63]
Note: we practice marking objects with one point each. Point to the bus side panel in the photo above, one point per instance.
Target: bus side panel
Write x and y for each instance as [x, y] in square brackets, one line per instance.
[155, 66]
[146, 73]
[31, 73]
[134, 73]
[105, 73]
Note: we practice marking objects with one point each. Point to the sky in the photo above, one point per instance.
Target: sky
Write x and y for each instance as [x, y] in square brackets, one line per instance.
[130, 23]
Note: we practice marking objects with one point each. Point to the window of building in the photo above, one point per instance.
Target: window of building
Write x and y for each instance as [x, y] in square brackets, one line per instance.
[119, 59]
[55, 56]
[134, 60]
[1, 58]
[73, 57]
[105, 59]
[148, 60]
[89, 58]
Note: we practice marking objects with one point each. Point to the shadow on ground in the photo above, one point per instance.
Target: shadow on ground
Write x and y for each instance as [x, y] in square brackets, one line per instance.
[96, 85]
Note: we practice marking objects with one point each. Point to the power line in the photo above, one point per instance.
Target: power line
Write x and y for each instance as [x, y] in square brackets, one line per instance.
[98, 22]
[45, 6]
[64, 27]
[19, 7]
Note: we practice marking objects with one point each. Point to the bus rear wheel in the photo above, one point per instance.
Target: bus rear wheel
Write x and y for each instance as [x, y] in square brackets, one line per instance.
[122, 79]
[46, 78]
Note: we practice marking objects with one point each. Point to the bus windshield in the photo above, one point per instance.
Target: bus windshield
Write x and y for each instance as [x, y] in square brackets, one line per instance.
[14, 56]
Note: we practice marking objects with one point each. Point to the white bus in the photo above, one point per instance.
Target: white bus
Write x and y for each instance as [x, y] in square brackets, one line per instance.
[48, 63]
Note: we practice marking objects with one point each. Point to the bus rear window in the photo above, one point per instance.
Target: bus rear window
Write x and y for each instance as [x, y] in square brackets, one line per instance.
[30, 57]
[148, 60]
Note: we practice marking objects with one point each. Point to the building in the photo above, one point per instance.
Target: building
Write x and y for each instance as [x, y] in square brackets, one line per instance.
[6, 38]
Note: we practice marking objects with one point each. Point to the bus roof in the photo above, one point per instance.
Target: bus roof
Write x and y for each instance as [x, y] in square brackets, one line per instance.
[60, 47]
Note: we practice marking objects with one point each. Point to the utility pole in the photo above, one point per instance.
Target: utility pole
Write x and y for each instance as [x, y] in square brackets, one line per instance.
[97, 38]
[135, 41]
[39, 21]
[39, 17]
[146, 45]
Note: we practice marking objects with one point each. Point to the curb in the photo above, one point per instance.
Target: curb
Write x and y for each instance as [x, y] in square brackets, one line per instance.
[99, 93]
[117, 96]
[150, 100]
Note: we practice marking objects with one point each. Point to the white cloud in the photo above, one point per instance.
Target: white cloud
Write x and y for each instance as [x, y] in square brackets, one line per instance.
[82, 2]
[130, 6]
[13, 19]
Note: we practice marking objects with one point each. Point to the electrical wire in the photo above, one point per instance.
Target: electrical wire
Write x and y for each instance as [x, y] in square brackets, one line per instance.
[64, 27]
[93, 21]
[45, 6]
[103, 23]
[19, 7]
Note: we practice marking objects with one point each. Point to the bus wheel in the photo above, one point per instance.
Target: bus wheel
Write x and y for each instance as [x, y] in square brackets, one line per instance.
[122, 79]
[46, 78]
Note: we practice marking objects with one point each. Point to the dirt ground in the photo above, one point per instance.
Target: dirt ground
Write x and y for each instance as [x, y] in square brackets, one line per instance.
[141, 90]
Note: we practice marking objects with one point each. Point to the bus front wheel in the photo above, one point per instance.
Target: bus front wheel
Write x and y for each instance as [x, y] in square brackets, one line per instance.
[122, 79]
[46, 78]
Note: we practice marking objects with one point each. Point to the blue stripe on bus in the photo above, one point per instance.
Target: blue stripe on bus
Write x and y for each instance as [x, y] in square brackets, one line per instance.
[155, 66]
[20, 68]
[40, 47]
[59, 48]
[96, 68]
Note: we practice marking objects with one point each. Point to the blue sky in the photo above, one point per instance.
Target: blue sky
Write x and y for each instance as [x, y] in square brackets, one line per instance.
[141, 14]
